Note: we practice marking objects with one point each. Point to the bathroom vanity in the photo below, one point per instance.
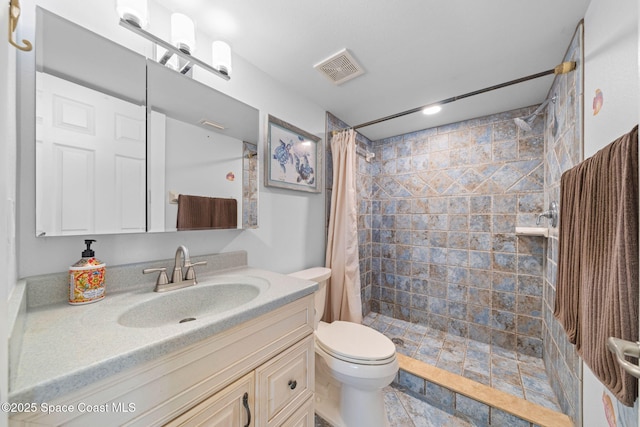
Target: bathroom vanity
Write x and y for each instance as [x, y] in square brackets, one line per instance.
[245, 365]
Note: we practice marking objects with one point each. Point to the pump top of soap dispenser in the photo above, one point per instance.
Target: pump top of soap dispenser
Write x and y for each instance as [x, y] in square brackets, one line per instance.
[88, 253]
[88, 257]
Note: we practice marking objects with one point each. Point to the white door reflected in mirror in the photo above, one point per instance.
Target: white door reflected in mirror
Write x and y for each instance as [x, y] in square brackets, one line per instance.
[90, 161]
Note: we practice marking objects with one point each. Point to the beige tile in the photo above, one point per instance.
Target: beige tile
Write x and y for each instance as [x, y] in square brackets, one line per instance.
[531, 412]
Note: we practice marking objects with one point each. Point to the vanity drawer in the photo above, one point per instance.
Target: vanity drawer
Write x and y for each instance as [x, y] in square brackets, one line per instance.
[284, 383]
[232, 406]
[303, 417]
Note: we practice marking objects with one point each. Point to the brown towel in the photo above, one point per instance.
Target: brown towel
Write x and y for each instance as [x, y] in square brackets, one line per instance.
[569, 259]
[194, 212]
[202, 213]
[597, 287]
[224, 213]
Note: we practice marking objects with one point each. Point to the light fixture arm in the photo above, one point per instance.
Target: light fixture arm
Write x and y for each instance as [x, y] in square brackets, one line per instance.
[174, 50]
[14, 16]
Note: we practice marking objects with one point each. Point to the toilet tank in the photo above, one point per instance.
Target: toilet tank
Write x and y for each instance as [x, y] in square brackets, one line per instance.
[320, 275]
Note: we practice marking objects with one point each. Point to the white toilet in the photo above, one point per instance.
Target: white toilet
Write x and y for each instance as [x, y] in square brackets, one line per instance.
[353, 364]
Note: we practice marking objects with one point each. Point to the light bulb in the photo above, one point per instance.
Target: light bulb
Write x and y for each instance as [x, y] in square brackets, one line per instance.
[183, 33]
[221, 53]
[133, 11]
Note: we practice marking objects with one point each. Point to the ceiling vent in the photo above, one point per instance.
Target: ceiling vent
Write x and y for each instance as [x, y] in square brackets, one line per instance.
[340, 67]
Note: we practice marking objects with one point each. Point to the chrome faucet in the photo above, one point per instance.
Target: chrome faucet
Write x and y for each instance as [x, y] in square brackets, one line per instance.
[178, 281]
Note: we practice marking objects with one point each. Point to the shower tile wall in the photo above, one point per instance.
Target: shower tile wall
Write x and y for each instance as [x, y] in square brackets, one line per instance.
[364, 181]
[250, 185]
[563, 150]
[445, 202]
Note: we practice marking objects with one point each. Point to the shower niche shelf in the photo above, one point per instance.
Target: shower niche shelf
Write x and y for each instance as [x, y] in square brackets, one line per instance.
[532, 231]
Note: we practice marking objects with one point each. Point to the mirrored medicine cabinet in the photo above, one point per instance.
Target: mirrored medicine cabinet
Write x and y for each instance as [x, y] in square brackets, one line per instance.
[120, 138]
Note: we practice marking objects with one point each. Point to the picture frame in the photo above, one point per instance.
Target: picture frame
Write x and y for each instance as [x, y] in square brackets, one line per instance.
[293, 157]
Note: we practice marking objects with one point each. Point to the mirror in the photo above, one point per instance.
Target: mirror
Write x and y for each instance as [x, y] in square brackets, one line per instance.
[114, 153]
[201, 143]
[90, 132]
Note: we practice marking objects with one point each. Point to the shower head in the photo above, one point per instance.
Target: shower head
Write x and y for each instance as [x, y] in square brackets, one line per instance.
[526, 123]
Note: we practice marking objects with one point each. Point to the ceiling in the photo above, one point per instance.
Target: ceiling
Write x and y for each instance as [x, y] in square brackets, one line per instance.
[414, 52]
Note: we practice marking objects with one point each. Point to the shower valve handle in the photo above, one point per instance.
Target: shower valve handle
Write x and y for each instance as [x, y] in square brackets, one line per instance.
[551, 214]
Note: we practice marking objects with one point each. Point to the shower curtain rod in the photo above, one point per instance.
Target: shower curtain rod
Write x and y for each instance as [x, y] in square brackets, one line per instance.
[563, 68]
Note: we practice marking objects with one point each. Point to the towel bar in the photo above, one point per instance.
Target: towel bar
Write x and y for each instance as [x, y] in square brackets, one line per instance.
[622, 348]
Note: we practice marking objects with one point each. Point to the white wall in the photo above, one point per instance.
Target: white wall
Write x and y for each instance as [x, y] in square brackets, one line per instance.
[291, 224]
[198, 166]
[7, 194]
[611, 65]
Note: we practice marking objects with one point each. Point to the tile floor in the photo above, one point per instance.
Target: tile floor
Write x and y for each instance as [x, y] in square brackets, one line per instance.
[404, 410]
[517, 374]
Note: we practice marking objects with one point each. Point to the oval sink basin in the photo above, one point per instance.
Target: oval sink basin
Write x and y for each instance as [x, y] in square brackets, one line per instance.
[188, 304]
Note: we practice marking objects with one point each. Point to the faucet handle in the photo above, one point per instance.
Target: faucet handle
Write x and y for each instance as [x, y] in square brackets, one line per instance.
[544, 214]
[551, 215]
[191, 272]
[162, 277]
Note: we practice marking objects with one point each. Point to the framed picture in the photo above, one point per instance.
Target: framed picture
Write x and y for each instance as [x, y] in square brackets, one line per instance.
[293, 157]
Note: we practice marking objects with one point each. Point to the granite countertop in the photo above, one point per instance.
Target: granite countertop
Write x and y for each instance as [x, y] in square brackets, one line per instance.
[65, 347]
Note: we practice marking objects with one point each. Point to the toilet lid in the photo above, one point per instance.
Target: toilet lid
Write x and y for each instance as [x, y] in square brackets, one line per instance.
[354, 342]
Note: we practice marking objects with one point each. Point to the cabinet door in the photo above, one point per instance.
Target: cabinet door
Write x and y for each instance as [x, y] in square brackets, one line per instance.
[284, 383]
[233, 406]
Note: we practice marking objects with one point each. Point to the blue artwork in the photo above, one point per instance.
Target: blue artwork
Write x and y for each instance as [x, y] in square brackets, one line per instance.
[293, 158]
[282, 154]
[305, 171]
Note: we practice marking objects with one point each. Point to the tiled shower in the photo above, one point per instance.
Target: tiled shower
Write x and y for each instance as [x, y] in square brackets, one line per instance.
[445, 205]
[438, 211]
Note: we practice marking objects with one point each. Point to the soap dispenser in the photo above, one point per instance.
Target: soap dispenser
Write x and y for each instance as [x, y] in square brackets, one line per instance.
[86, 278]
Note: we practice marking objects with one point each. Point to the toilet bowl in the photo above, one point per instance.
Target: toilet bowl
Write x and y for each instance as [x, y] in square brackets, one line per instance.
[353, 364]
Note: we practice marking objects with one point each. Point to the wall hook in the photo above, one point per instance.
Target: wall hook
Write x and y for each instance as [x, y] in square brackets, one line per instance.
[14, 16]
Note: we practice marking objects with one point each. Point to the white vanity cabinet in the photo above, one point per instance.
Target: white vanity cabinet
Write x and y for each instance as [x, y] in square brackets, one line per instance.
[268, 359]
[278, 393]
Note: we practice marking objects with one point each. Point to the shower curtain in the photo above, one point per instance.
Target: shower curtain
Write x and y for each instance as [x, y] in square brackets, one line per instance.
[343, 289]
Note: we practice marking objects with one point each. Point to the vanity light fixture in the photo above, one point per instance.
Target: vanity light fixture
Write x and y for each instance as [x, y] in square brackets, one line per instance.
[14, 16]
[182, 37]
[221, 54]
[134, 12]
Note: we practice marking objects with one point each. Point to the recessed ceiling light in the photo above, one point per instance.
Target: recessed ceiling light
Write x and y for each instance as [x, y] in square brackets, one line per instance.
[432, 110]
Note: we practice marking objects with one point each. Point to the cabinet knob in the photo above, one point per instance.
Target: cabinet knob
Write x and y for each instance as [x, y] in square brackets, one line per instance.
[292, 384]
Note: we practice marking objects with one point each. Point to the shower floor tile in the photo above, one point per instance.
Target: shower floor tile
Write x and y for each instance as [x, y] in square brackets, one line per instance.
[520, 375]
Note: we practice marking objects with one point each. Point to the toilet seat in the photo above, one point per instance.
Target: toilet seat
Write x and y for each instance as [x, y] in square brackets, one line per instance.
[355, 343]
